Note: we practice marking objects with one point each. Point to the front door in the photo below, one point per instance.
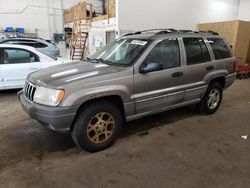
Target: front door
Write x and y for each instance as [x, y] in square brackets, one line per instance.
[17, 64]
[155, 91]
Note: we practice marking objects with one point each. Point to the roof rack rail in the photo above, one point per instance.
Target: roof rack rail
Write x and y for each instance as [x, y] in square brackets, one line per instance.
[161, 31]
[210, 31]
[170, 30]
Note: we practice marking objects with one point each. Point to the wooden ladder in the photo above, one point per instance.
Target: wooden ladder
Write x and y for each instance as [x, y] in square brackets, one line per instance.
[78, 45]
[78, 42]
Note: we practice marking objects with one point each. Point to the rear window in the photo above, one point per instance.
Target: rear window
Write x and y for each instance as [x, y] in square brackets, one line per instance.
[220, 48]
[196, 51]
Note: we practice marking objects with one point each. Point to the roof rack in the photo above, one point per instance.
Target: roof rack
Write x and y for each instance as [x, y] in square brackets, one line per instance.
[210, 31]
[167, 31]
[160, 31]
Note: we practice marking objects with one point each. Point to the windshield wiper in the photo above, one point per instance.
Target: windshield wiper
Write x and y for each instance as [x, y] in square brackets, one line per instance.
[90, 60]
[100, 60]
[104, 61]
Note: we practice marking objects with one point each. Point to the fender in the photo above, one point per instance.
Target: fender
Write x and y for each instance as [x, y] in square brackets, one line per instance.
[215, 74]
[82, 96]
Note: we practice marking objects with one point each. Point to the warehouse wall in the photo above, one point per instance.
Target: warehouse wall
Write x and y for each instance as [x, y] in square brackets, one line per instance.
[37, 19]
[97, 4]
[180, 14]
[244, 10]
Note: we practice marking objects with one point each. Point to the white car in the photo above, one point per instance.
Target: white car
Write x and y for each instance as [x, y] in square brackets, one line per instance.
[17, 61]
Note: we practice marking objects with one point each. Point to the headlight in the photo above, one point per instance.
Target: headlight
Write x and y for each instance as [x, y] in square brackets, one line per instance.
[48, 97]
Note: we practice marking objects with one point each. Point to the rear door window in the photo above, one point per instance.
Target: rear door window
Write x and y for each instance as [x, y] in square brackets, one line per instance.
[27, 43]
[220, 48]
[196, 51]
[40, 45]
[10, 42]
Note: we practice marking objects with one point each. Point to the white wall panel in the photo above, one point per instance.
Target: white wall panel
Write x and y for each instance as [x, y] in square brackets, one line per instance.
[244, 10]
[33, 15]
[180, 14]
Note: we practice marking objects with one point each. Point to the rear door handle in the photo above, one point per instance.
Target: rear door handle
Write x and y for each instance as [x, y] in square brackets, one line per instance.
[177, 74]
[209, 68]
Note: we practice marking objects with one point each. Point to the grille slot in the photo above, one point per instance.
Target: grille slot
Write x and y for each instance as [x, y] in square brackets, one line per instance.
[29, 91]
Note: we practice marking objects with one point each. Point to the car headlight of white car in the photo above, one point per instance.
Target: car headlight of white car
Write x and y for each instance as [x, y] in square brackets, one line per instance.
[48, 97]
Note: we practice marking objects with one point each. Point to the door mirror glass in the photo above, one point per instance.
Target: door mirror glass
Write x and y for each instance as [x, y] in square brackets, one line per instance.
[151, 67]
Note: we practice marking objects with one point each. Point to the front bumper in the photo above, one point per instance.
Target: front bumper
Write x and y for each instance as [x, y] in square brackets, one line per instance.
[58, 119]
[230, 80]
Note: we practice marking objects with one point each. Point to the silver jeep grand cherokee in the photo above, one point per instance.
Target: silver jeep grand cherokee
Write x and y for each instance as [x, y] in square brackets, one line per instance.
[137, 75]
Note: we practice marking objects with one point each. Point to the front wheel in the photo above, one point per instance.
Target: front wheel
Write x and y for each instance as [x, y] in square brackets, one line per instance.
[211, 100]
[97, 126]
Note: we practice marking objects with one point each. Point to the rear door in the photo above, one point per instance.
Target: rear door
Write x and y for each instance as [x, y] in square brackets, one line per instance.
[198, 65]
[156, 91]
[17, 64]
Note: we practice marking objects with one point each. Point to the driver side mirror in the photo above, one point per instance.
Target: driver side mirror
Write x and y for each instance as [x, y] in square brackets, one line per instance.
[151, 67]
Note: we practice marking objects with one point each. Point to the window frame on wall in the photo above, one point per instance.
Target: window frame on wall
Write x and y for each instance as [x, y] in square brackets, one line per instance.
[106, 35]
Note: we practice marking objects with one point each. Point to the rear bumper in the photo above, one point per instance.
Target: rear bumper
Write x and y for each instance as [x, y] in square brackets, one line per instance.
[58, 119]
[230, 80]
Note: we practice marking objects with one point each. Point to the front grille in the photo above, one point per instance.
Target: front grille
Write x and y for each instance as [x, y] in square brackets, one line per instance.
[29, 91]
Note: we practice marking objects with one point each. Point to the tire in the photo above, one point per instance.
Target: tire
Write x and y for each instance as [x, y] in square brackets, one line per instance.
[97, 126]
[211, 100]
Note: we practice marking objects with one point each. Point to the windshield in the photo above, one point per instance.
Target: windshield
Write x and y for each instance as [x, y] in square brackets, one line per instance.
[120, 52]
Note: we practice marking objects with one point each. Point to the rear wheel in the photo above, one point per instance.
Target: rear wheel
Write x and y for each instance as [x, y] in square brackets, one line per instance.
[211, 100]
[97, 126]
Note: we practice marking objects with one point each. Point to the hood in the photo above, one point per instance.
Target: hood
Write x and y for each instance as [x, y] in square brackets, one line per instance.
[67, 73]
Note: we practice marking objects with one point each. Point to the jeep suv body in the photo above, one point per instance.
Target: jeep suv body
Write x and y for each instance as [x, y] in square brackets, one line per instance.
[135, 76]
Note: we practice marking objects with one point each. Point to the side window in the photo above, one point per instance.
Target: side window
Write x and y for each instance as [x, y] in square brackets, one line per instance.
[167, 53]
[196, 51]
[40, 45]
[10, 42]
[220, 49]
[27, 43]
[14, 56]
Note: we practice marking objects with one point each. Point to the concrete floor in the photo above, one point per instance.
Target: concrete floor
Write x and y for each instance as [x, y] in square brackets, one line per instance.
[173, 149]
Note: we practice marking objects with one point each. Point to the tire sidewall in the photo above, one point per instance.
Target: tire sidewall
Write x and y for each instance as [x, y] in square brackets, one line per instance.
[204, 104]
[79, 132]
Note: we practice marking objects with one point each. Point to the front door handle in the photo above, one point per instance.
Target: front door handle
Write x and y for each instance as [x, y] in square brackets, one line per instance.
[177, 74]
[209, 68]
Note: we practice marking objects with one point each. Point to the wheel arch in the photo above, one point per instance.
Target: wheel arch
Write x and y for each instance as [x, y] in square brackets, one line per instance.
[221, 80]
[217, 76]
[115, 99]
